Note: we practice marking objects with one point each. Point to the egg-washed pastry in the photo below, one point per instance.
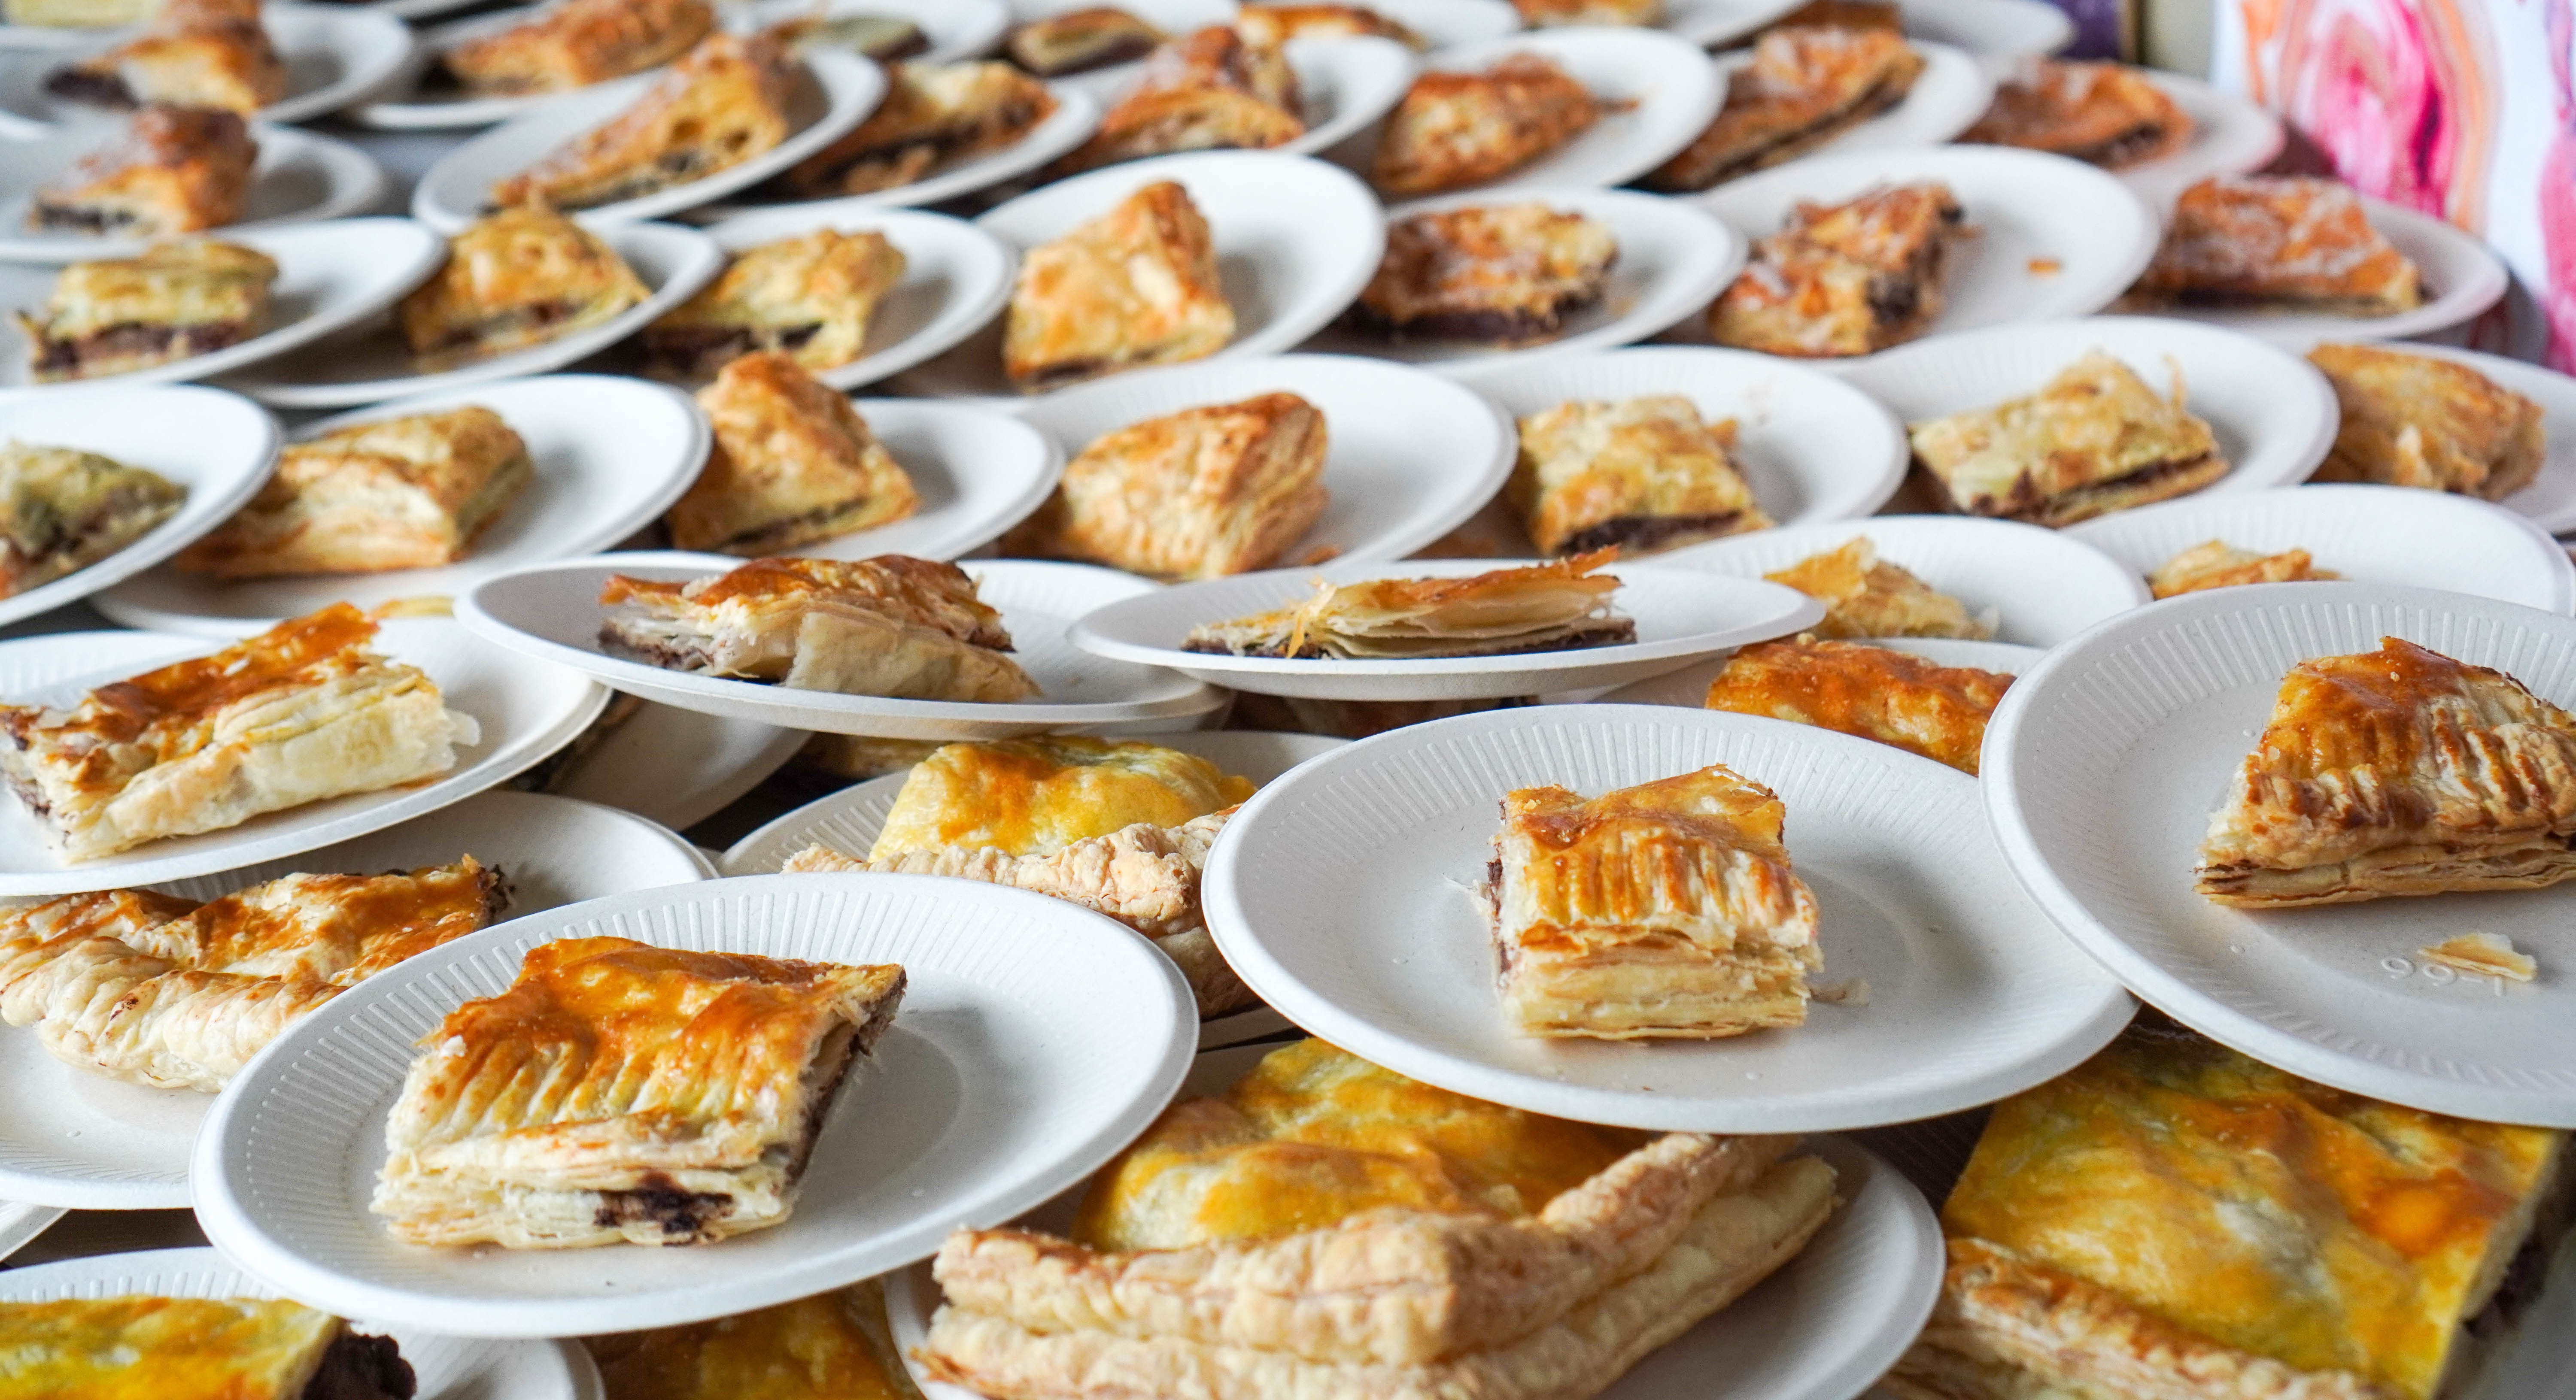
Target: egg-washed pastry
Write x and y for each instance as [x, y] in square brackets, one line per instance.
[2286, 241]
[1844, 279]
[2093, 440]
[1844, 14]
[1803, 88]
[620, 1091]
[721, 104]
[579, 43]
[398, 493]
[1210, 90]
[2395, 772]
[2218, 564]
[1866, 596]
[1508, 274]
[517, 278]
[301, 712]
[903, 628]
[1272, 23]
[932, 114]
[1636, 474]
[1897, 698]
[2107, 114]
[172, 170]
[167, 992]
[172, 301]
[1328, 1228]
[1078, 41]
[197, 53]
[2415, 420]
[78, 14]
[1452, 130]
[1136, 286]
[151, 1348]
[2174, 1219]
[793, 463]
[1548, 14]
[832, 1346]
[810, 296]
[1564, 605]
[1223, 489]
[62, 510]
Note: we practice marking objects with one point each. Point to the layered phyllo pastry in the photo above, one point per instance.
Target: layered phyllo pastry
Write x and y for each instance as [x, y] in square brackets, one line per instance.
[1506, 274]
[301, 712]
[196, 1349]
[811, 297]
[793, 463]
[2414, 420]
[173, 170]
[1866, 596]
[2175, 1219]
[62, 510]
[1328, 1228]
[620, 1091]
[517, 278]
[1843, 279]
[2093, 440]
[2286, 241]
[1452, 130]
[2218, 564]
[1211, 90]
[1549, 14]
[1137, 286]
[1224, 489]
[173, 301]
[1636, 474]
[1895, 697]
[1803, 88]
[1560, 606]
[832, 1346]
[1664, 911]
[1077, 41]
[932, 114]
[159, 990]
[721, 104]
[579, 43]
[197, 53]
[399, 493]
[906, 629]
[2107, 114]
[2395, 772]
[1272, 23]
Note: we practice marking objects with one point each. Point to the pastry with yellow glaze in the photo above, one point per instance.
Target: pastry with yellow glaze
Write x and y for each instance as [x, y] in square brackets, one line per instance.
[143, 1348]
[832, 1346]
[1899, 699]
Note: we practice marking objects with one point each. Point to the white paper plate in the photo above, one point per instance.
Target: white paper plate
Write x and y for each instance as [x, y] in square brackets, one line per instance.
[2462, 278]
[334, 55]
[678, 767]
[1709, 23]
[834, 92]
[2273, 414]
[1296, 239]
[20, 1224]
[370, 363]
[1410, 454]
[955, 29]
[611, 454]
[72, 1138]
[978, 472]
[1948, 96]
[298, 178]
[1340, 894]
[1688, 687]
[1990, 28]
[2229, 136]
[1076, 116]
[2103, 765]
[33, 665]
[1344, 84]
[552, 612]
[2550, 499]
[1036, 1038]
[1680, 616]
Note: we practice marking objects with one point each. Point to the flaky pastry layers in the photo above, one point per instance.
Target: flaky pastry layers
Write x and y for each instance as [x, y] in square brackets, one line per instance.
[931, 114]
[1844, 279]
[2414, 420]
[792, 464]
[172, 170]
[511, 280]
[1894, 697]
[1509, 274]
[2284, 240]
[137, 1347]
[2107, 114]
[1866, 596]
[62, 510]
[1214, 89]
[810, 296]
[1136, 286]
[580, 43]
[2093, 440]
[2218, 564]
[211, 54]
[1556, 606]
[1804, 87]
[1452, 130]
[1636, 475]
[173, 301]
[1075, 41]
[721, 104]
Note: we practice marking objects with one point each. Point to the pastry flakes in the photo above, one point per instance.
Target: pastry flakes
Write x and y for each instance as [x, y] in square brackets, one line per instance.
[1637, 474]
[1803, 88]
[2107, 114]
[144, 1348]
[62, 510]
[1844, 279]
[2279, 240]
[517, 278]
[1452, 130]
[1899, 699]
[1137, 286]
[1559, 606]
[721, 104]
[793, 463]
[620, 1091]
[197, 53]
[173, 170]
[2093, 440]
[931, 115]
[1212, 90]
[811, 296]
[1508, 274]
[2218, 564]
[1077, 41]
[172, 301]
[1865, 596]
[2414, 420]
[579, 43]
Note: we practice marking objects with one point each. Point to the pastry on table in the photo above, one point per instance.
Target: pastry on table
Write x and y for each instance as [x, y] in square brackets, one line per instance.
[197, 53]
[2106, 114]
[2093, 440]
[1637, 474]
[2218, 564]
[2395, 772]
[1077, 41]
[2415, 420]
[792, 464]
[1803, 88]
[1546, 14]
[1844, 279]
[621, 1091]
[62, 510]
[1508, 274]
[579, 43]
[1210, 90]
[1267, 22]
[1137, 286]
[1897, 698]
[1866, 596]
[172, 301]
[304, 711]
[195, 1349]
[1560, 606]
[810, 296]
[1452, 130]
[721, 104]
[513, 279]
[1206, 492]
[2283, 241]
[162, 991]
[892, 626]
[932, 114]
[1328, 1228]
[832, 1346]
[172, 170]
[2172, 1218]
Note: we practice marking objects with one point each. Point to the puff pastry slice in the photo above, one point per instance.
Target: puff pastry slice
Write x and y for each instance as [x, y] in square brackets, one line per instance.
[517, 278]
[172, 170]
[137, 1347]
[1636, 474]
[210, 54]
[1804, 87]
[1136, 286]
[62, 510]
[1215, 89]
[1844, 279]
[2279, 240]
[579, 43]
[1452, 130]
[721, 104]
[2414, 420]
[932, 114]
[793, 464]
[1557, 606]
[1866, 596]
[1897, 698]
[2106, 114]
[2093, 440]
[1510, 274]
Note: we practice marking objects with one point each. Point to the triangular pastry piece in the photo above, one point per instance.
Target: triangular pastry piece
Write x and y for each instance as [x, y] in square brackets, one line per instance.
[723, 103]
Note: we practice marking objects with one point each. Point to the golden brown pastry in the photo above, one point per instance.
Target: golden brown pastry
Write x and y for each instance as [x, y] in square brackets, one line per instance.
[1865, 596]
[793, 463]
[1897, 698]
[173, 170]
[1077, 41]
[721, 104]
[931, 115]
[1509, 274]
[173, 301]
[1215, 89]
[1546, 14]
[1560, 606]
[399, 493]
[2278, 241]
[1844, 279]
[2107, 114]
[1453, 130]
[1263, 22]
[2093, 440]
[62, 510]
[2414, 420]
[832, 1346]
[811, 296]
[136, 1347]
[1638, 474]
[579, 43]
[2218, 564]
[517, 278]
[197, 53]
[1803, 88]
[1136, 286]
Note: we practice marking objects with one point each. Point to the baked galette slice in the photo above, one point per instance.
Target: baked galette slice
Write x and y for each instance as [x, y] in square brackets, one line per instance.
[517, 278]
[721, 104]
[1637, 475]
[1136, 286]
[2289, 241]
[1453, 130]
[1894, 697]
[2417, 420]
[811, 296]
[1804, 87]
[793, 464]
[2106, 114]
[1213, 90]
[2093, 440]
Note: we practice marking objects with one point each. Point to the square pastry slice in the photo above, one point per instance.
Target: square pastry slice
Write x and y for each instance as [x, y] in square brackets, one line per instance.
[62, 510]
[579, 43]
[1637, 474]
[2218, 564]
[620, 1091]
[1804, 87]
[301, 712]
[2239, 240]
[2395, 772]
[793, 463]
[811, 296]
[517, 278]
[198, 53]
[909, 629]
[2415, 420]
[399, 493]
[173, 301]
[1560, 606]
[1136, 286]
[2093, 440]
[1452, 130]
[1211, 90]
[1205, 492]
[1897, 698]
[1076, 41]
[1509, 274]
[932, 114]
[723, 103]
[174, 170]
[136, 1347]
[2108, 114]
[1844, 279]
[1865, 596]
